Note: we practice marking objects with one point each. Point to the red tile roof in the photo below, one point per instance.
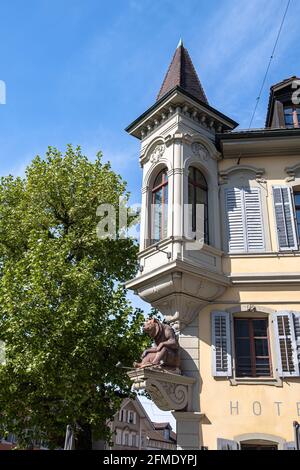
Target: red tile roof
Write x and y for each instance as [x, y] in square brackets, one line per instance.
[182, 73]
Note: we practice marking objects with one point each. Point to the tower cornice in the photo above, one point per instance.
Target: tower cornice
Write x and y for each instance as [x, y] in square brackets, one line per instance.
[179, 101]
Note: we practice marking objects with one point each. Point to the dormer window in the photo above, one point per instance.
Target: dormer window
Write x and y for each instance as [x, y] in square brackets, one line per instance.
[159, 221]
[292, 116]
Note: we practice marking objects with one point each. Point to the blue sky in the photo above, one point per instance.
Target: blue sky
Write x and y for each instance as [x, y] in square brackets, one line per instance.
[79, 71]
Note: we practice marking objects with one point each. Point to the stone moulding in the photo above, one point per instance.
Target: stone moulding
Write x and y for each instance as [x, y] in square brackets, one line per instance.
[179, 294]
[169, 391]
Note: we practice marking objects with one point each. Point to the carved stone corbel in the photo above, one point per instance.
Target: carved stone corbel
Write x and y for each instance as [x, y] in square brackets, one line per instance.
[169, 391]
[293, 172]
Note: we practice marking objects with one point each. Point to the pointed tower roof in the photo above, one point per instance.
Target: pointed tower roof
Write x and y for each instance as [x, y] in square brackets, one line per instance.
[182, 73]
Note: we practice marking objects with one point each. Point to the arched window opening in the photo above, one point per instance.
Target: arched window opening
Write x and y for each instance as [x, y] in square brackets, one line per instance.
[159, 223]
[197, 197]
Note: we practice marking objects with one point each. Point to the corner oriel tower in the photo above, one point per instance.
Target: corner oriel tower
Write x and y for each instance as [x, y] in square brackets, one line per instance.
[179, 161]
[227, 278]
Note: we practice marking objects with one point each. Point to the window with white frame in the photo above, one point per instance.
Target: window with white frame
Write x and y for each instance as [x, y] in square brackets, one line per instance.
[125, 438]
[159, 207]
[297, 209]
[122, 415]
[198, 197]
[131, 417]
[244, 220]
[286, 209]
[118, 437]
[246, 344]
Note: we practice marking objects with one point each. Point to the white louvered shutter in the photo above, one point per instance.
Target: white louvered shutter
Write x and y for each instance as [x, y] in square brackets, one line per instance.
[235, 220]
[285, 221]
[245, 230]
[226, 444]
[254, 223]
[289, 445]
[221, 344]
[296, 316]
[288, 365]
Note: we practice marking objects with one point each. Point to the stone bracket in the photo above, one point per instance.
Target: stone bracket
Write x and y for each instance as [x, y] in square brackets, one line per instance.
[169, 391]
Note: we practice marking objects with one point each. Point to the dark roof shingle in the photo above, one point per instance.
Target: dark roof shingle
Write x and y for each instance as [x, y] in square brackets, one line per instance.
[181, 72]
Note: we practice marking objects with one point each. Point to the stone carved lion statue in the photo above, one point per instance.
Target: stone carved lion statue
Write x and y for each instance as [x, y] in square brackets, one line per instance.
[165, 353]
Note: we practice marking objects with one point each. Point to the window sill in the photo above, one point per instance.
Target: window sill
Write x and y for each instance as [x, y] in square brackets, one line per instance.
[276, 382]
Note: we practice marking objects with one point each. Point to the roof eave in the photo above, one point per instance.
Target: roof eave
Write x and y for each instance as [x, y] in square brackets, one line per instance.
[231, 124]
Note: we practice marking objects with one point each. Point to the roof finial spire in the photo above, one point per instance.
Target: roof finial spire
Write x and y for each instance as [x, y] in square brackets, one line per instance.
[180, 43]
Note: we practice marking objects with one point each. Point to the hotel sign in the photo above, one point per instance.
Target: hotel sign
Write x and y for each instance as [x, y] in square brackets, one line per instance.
[256, 408]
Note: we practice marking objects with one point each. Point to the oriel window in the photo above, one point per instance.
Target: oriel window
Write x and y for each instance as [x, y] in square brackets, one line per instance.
[159, 224]
[198, 196]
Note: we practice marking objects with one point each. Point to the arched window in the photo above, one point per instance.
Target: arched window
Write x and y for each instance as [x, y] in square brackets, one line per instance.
[159, 223]
[198, 196]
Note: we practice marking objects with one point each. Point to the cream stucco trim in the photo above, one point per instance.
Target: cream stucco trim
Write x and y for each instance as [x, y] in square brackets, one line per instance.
[257, 436]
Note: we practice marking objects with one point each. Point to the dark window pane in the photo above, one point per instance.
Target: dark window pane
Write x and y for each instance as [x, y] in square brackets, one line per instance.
[241, 328]
[244, 368]
[201, 196]
[243, 347]
[252, 347]
[197, 197]
[260, 327]
[197, 178]
[261, 347]
[161, 178]
[159, 206]
[262, 367]
[288, 117]
[200, 178]
[297, 199]
[158, 180]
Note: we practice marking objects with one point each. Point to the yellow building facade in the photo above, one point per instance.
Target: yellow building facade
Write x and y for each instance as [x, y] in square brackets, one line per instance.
[233, 298]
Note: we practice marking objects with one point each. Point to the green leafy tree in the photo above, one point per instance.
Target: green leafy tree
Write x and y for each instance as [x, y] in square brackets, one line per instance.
[64, 315]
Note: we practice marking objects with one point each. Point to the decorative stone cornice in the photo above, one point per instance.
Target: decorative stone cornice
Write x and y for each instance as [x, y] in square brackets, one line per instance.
[178, 138]
[178, 293]
[169, 391]
[259, 172]
[186, 110]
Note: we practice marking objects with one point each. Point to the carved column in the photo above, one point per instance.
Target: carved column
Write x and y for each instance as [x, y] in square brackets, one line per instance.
[177, 195]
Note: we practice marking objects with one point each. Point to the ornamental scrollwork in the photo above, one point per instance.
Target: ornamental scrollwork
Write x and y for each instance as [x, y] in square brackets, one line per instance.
[199, 150]
[157, 153]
